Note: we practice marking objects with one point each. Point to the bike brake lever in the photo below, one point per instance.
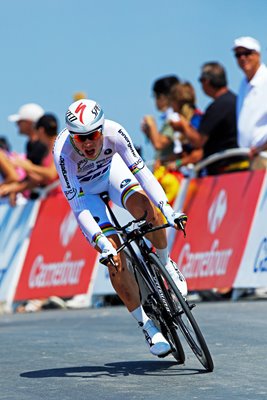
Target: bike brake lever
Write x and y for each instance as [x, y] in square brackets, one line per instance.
[109, 259]
[181, 227]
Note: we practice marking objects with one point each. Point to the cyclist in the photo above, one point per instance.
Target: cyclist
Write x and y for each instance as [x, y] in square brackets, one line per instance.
[93, 155]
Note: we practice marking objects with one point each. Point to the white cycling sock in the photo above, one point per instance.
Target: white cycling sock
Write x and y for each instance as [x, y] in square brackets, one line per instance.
[140, 315]
[163, 255]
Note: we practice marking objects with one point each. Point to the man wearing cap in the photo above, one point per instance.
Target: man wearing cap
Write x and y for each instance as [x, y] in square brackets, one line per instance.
[252, 98]
[26, 118]
[217, 130]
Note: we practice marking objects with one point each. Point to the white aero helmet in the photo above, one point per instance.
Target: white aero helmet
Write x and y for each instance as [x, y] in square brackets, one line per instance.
[84, 116]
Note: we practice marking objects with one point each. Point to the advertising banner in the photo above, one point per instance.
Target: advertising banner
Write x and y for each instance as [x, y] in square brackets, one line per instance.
[15, 228]
[220, 213]
[252, 272]
[59, 260]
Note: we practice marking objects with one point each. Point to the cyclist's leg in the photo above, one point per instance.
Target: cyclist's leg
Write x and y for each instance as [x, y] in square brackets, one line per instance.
[122, 280]
[126, 192]
[137, 204]
[123, 185]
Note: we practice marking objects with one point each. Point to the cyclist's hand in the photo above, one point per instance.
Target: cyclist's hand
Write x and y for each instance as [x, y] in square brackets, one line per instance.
[177, 220]
[109, 257]
[180, 221]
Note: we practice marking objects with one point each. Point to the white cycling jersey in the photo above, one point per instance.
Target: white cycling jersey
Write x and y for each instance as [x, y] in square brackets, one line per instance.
[82, 179]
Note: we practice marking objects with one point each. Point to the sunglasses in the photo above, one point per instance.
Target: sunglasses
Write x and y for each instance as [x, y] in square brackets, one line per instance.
[90, 136]
[245, 53]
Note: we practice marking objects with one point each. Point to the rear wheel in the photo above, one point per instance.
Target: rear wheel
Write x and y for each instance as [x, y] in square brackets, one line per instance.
[181, 315]
[156, 307]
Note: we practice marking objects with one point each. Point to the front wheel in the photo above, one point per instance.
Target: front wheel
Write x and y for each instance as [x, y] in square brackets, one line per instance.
[155, 307]
[181, 315]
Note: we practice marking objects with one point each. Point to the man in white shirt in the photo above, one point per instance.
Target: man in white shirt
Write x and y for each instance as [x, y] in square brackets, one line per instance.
[252, 98]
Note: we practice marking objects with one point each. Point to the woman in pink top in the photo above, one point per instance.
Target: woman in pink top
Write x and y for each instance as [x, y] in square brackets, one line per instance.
[38, 175]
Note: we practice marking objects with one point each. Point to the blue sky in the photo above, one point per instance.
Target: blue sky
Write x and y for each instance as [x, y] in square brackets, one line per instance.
[114, 50]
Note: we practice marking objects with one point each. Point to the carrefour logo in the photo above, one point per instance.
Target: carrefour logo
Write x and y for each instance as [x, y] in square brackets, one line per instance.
[68, 229]
[260, 264]
[217, 211]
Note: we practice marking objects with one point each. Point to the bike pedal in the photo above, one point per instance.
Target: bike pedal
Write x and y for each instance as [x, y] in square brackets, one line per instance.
[191, 306]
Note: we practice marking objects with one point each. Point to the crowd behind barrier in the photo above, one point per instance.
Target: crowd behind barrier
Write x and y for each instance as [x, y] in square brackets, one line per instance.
[44, 254]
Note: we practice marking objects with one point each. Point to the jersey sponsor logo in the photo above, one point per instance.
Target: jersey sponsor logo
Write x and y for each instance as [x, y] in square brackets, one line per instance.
[89, 175]
[137, 166]
[124, 183]
[80, 110]
[108, 151]
[260, 264]
[88, 178]
[70, 116]
[70, 194]
[128, 143]
[64, 171]
[81, 164]
[160, 205]
[217, 211]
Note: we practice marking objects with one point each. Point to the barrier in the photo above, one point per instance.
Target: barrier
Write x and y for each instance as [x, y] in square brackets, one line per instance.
[43, 253]
[59, 261]
[220, 213]
[15, 230]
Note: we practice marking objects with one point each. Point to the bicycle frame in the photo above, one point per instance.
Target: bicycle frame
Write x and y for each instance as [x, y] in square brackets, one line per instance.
[131, 237]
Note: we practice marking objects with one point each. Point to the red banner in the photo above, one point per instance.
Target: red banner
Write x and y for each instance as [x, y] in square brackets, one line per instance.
[220, 213]
[59, 260]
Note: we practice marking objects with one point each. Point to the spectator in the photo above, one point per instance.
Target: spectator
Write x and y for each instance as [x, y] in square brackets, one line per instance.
[5, 146]
[8, 173]
[38, 175]
[183, 102]
[161, 139]
[217, 130]
[79, 95]
[252, 98]
[26, 119]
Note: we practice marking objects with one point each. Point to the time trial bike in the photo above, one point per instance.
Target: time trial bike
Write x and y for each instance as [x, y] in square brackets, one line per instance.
[160, 297]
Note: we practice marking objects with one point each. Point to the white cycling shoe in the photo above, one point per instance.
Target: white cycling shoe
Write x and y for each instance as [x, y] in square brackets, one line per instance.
[177, 277]
[157, 344]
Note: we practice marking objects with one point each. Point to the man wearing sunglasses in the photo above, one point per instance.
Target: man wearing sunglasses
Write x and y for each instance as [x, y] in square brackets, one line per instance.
[94, 155]
[252, 98]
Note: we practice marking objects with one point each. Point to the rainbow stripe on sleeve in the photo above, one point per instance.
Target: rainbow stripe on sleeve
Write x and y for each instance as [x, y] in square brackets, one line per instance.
[108, 229]
[134, 169]
[96, 236]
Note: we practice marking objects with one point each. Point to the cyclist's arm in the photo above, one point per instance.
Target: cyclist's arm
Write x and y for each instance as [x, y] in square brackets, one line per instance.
[144, 176]
[70, 186]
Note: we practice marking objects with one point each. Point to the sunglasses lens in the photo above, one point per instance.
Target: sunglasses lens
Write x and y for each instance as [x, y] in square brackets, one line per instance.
[243, 53]
[95, 135]
[91, 136]
[78, 138]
